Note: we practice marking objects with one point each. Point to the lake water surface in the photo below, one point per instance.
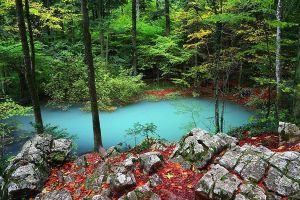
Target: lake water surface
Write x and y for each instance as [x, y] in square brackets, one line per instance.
[172, 117]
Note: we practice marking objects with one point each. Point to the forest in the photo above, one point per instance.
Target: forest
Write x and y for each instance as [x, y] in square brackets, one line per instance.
[109, 79]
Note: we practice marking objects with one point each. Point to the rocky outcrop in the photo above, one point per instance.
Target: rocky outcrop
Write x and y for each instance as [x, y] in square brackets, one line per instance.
[198, 147]
[279, 171]
[122, 181]
[28, 171]
[217, 183]
[55, 195]
[142, 192]
[151, 161]
[288, 132]
[212, 167]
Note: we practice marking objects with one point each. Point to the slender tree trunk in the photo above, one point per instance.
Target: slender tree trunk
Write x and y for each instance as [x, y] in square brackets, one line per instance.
[91, 76]
[3, 82]
[107, 49]
[28, 72]
[31, 41]
[217, 48]
[22, 84]
[240, 75]
[270, 66]
[167, 15]
[278, 54]
[134, 43]
[137, 9]
[297, 85]
[216, 96]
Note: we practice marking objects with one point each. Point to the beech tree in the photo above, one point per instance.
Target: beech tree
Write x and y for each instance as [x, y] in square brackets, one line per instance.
[167, 15]
[278, 54]
[28, 68]
[91, 76]
[133, 35]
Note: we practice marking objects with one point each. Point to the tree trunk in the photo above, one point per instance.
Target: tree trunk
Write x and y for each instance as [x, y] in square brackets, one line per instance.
[167, 15]
[270, 66]
[278, 53]
[101, 37]
[3, 82]
[22, 84]
[216, 96]
[31, 41]
[107, 49]
[217, 48]
[297, 85]
[134, 43]
[91, 77]
[137, 9]
[28, 72]
[240, 75]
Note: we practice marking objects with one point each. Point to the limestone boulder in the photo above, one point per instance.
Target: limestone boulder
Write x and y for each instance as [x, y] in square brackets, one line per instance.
[217, 183]
[151, 161]
[122, 181]
[198, 146]
[55, 195]
[288, 132]
[26, 181]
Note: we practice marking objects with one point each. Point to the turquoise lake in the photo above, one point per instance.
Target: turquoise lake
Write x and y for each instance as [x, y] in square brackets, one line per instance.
[172, 118]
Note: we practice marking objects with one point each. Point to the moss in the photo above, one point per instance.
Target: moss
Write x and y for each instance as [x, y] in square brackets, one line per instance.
[57, 157]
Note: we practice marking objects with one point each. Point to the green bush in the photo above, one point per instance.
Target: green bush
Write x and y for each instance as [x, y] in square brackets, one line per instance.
[68, 83]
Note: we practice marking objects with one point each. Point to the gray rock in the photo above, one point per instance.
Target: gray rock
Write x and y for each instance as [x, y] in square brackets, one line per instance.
[155, 196]
[122, 181]
[100, 197]
[26, 181]
[129, 162]
[112, 152]
[142, 192]
[30, 168]
[231, 157]
[1, 186]
[199, 147]
[279, 183]
[55, 195]
[217, 183]
[99, 176]
[34, 151]
[60, 150]
[151, 161]
[249, 191]
[288, 132]
[81, 161]
[251, 167]
[155, 180]
[293, 170]
[158, 146]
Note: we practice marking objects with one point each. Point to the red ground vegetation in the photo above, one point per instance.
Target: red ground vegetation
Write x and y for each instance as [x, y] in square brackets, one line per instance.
[176, 180]
[208, 92]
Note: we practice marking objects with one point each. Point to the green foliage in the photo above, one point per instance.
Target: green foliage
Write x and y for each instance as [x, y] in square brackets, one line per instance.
[8, 109]
[68, 83]
[146, 130]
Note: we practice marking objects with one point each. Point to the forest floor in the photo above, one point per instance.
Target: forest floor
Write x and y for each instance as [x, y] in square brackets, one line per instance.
[169, 91]
[179, 183]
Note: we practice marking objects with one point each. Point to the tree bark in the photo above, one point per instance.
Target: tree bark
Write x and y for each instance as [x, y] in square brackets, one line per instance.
[278, 54]
[217, 48]
[297, 85]
[28, 72]
[167, 15]
[31, 41]
[91, 77]
[134, 42]
[137, 9]
[107, 49]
